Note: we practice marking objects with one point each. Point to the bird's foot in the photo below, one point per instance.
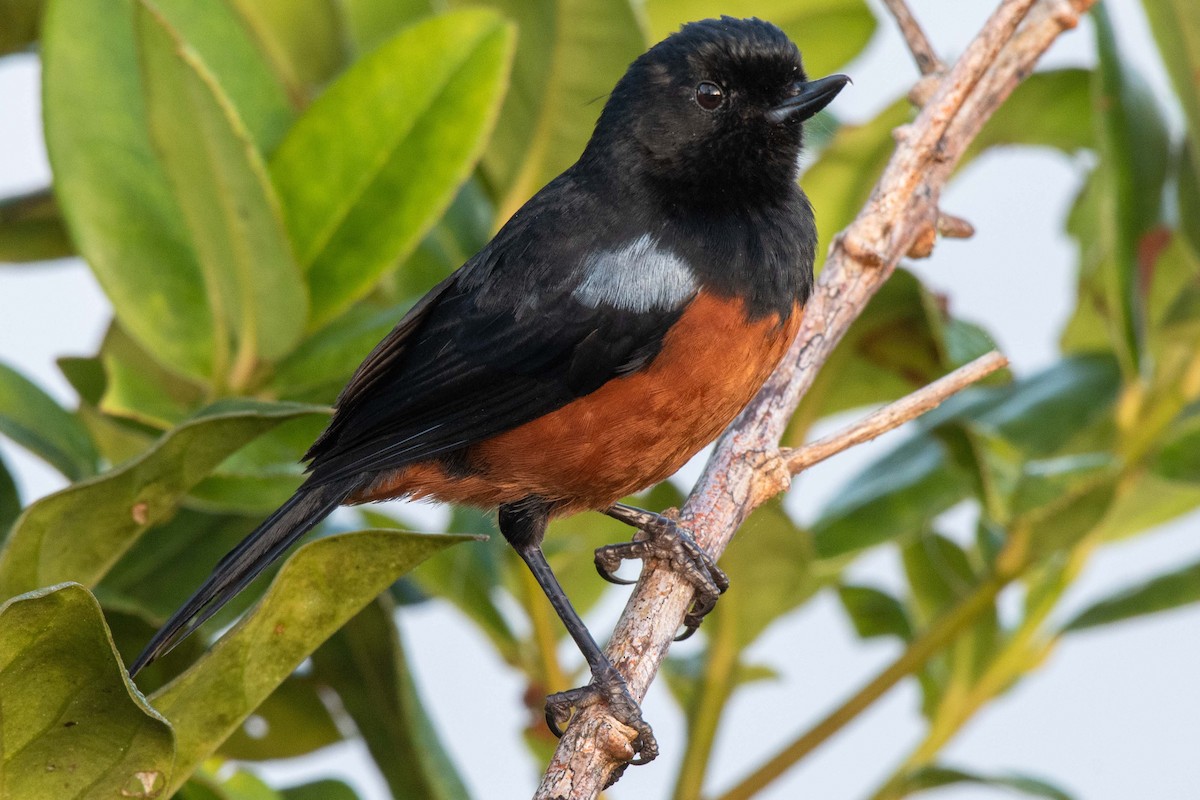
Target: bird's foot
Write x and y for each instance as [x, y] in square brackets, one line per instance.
[663, 539]
[607, 688]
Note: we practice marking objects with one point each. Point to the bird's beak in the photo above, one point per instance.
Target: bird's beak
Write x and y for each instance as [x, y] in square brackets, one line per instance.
[808, 98]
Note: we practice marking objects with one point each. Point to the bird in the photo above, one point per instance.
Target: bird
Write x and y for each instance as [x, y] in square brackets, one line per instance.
[614, 326]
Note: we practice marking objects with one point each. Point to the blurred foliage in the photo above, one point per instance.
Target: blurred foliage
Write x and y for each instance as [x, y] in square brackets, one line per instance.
[263, 187]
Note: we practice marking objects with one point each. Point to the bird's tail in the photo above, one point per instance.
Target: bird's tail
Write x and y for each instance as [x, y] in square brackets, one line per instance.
[267, 542]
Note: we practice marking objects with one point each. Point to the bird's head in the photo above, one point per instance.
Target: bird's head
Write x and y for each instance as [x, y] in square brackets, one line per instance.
[714, 111]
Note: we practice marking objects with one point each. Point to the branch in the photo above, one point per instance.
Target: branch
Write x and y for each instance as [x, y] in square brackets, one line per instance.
[746, 467]
[918, 42]
[893, 415]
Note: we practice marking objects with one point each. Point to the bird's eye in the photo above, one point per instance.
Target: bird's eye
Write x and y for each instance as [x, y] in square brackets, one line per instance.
[709, 96]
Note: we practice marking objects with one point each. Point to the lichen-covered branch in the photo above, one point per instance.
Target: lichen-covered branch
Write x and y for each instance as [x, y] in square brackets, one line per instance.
[746, 467]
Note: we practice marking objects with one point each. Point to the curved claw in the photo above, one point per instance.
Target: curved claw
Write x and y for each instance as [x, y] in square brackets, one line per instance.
[610, 577]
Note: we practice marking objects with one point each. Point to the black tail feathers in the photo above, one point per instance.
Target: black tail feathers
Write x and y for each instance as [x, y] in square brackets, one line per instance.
[293, 519]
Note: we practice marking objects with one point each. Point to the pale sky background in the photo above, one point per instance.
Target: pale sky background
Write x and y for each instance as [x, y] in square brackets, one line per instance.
[1114, 714]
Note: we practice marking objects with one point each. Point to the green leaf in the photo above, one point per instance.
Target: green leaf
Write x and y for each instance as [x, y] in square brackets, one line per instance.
[73, 725]
[369, 22]
[303, 40]
[317, 591]
[32, 419]
[875, 612]
[1179, 457]
[320, 790]
[1176, 27]
[932, 777]
[318, 369]
[80, 532]
[219, 782]
[20, 20]
[898, 494]
[220, 182]
[31, 227]
[1061, 102]
[1134, 148]
[114, 195]
[136, 387]
[1164, 592]
[364, 176]
[262, 475]
[471, 577]
[293, 721]
[1188, 196]
[10, 500]
[828, 32]
[771, 563]
[365, 664]
[571, 54]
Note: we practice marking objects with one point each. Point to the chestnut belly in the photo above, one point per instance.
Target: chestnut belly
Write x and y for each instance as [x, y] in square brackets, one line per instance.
[629, 434]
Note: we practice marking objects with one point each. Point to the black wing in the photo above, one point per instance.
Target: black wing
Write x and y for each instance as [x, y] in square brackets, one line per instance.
[501, 342]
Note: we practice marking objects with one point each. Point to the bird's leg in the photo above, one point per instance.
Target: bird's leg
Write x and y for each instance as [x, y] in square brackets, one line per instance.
[523, 525]
[662, 538]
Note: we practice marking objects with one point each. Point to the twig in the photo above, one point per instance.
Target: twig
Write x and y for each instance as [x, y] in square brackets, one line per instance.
[894, 414]
[745, 469]
[923, 53]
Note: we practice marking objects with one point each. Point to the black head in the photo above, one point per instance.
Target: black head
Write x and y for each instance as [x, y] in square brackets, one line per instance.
[713, 112]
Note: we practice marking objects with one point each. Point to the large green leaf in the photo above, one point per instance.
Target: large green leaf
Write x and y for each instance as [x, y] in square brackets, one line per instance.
[1161, 593]
[377, 158]
[31, 228]
[1178, 459]
[32, 419]
[292, 721]
[72, 724]
[828, 32]
[80, 532]
[113, 193]
[220, 183]
[571, 54]
[137, 388]
[1134, 148]
[370, 22]
[318, 590]
[365, 664]
[1176, 26]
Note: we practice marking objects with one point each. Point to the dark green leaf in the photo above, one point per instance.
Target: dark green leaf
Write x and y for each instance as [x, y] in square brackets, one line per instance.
[365, 664]
[32, 419]
[220, 183]
[31, 227]
[1061, 103]
[875, 612]
[10, 500]
[320, 790]
[1165, 592]
[73, 725]
[364, 177]
[1179, 457]
[932, 777]
[317, 591]
[1188, 197]
[1176, 26]
[80, 532]
[1134, 148]
[829, 32]
[18, 24]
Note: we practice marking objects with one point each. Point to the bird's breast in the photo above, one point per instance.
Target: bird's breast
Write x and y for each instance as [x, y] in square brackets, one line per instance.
[632, 432]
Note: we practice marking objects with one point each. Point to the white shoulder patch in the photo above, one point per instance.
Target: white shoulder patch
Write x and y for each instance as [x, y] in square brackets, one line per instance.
[639, 277]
